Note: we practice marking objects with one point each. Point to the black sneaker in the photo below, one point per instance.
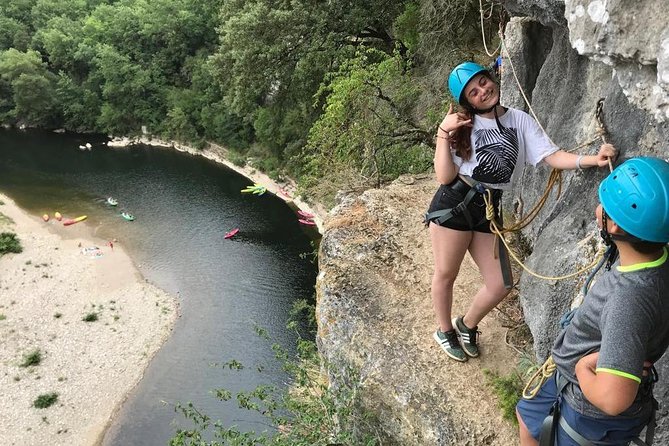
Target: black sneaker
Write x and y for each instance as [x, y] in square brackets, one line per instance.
[467, 337]
[449, 343]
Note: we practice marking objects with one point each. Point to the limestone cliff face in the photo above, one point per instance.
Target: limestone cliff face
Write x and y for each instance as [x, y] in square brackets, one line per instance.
[373, 293]
[374, 316]
[591, 50]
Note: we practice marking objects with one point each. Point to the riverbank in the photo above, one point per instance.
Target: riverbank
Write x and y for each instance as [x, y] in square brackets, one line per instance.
[47, 292]
[285, 191]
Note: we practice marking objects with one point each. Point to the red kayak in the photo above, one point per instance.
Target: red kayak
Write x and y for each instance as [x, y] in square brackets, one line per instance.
[305, 215]
[231, 233]
[307, 222]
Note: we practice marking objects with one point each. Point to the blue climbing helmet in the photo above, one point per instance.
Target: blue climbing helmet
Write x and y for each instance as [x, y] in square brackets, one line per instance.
[636, 197]
[461, 75]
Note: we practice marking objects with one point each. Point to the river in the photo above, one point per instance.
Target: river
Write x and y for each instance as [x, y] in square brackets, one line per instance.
[183, 206]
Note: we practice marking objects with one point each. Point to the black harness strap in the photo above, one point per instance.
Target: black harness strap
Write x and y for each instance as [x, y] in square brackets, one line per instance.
[548, 436]
[443, 215]
[549, 427]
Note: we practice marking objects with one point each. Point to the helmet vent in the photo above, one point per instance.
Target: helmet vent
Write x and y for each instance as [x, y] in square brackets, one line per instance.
[633, 205]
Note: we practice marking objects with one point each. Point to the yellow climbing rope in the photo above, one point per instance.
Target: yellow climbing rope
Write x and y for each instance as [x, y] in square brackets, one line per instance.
[555, 175]
[538, 379]
[490, 215]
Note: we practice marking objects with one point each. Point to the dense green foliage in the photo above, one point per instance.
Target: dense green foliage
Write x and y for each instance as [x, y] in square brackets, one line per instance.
[509, 390]
[9, 243]
[337, 93]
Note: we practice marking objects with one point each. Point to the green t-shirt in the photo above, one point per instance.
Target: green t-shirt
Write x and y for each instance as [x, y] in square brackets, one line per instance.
[625, 316]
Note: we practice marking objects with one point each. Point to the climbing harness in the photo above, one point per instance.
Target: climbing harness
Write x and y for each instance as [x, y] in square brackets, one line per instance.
[460, 184]
[472, 187]
[550, 424]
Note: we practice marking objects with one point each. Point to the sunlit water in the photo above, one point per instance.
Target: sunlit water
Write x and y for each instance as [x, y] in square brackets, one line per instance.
[183, 206]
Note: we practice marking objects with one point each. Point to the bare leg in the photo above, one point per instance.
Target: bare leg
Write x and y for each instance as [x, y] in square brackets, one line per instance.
[492, 292]
[526, 439]
[448, 249]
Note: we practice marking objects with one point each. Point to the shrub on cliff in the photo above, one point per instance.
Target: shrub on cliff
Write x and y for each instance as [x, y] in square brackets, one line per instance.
[308, 412]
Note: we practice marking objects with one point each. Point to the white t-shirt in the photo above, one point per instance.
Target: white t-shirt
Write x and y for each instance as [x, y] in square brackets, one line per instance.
[498, 157]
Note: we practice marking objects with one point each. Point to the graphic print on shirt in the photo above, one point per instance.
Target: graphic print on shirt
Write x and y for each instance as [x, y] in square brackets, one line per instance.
[496, 154]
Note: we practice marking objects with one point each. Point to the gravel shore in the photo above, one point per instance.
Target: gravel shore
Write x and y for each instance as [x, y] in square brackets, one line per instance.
[46, 292]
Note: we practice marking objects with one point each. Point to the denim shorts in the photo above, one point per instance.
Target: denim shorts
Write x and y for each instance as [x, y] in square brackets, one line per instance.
[450, 195]
[616, 430]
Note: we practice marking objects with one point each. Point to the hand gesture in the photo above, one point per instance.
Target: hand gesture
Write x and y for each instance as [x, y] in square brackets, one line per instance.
[454, 121]
[606, 152]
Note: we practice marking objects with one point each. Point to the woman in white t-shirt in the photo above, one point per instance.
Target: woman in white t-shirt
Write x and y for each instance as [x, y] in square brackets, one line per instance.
[487, 144]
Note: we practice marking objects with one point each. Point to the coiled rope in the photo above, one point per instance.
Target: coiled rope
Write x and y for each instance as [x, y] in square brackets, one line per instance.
[555, 176]
[538, 379]
[490, 215]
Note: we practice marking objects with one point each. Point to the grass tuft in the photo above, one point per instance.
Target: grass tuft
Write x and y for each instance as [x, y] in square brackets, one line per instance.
[508, 390]
[90, 317]
[45, 400]
[31, 359]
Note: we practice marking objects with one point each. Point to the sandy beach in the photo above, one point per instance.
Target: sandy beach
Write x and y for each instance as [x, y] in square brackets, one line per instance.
[46, 292]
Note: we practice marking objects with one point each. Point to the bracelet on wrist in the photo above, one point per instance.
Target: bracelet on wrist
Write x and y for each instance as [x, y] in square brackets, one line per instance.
[578, 162]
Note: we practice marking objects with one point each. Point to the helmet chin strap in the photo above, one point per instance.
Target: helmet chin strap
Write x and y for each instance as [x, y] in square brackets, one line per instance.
[609, 238]
[612, 251]
[604, 232]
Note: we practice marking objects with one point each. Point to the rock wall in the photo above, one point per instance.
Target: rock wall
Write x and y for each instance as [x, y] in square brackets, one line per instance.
[375, 318]
[612, 50]
[374, 311]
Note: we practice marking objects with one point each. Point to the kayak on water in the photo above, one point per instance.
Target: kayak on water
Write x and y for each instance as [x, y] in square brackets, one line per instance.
[45, 217]
[112, 201]
[255, 189]
[305, 215]
[57, 216]
[127, 216]
[307, 222]
[71, 221]
[231, 233]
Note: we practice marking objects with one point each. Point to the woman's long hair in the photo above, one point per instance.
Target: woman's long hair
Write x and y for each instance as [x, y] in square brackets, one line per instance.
[461, 139]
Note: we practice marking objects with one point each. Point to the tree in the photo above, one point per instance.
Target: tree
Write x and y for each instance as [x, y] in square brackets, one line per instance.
[130, 96]
[31, 86]
[35, 100]
[270, 49]
[367, 124]
[45, 10]
[13, 34]
[81, 105]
